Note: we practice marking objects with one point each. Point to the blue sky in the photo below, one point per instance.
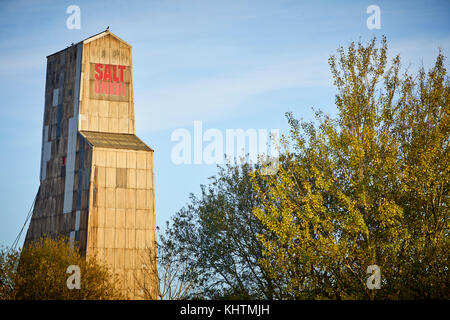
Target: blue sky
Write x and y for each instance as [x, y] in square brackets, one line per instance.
[231, 64]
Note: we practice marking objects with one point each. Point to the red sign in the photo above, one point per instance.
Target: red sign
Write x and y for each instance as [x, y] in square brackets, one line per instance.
[110, 79]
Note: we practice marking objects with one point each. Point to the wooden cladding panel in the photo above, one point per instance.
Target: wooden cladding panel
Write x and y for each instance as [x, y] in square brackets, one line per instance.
[126, 218]
[100, 111]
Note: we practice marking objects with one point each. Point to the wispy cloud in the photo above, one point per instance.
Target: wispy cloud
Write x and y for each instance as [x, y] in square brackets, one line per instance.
[212, 98]
[415, 50]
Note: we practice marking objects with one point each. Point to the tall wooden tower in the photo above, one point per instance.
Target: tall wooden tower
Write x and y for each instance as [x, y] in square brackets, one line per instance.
[97, 176]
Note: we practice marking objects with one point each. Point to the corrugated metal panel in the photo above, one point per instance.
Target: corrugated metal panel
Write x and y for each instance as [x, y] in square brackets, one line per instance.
[55, 97]
[72, 139]
[77, 220]
[86, 178]
[58, 120]
[46, 152]
[115, 140]
[80, 174]
[70, 165]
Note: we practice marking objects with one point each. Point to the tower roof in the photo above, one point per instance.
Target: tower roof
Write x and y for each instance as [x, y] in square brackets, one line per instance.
[94, 37]
[115, 140]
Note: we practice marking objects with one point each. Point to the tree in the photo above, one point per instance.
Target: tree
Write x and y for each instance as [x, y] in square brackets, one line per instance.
[170, 273]
[369, 187]
[8, 266]
[38, 272]
[215, 235]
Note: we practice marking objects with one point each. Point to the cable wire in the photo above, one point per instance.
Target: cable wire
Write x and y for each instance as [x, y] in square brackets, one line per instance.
[16, 241]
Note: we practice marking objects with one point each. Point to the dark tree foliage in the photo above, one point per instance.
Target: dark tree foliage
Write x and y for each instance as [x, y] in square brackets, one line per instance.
[216, 234]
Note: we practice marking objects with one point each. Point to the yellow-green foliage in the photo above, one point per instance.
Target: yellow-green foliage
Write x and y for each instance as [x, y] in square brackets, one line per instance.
[369, 187]
[39, 272]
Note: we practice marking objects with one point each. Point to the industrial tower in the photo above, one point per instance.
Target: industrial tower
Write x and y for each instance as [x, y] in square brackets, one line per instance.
[97, 176]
